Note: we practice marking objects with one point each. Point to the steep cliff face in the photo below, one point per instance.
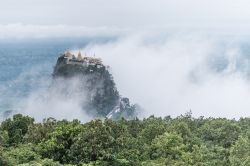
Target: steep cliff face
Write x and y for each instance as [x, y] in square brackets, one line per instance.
[102, 98]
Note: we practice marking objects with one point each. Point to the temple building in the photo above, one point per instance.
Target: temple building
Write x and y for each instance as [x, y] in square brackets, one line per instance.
[79, 56]
[79, 60]
[67, 54]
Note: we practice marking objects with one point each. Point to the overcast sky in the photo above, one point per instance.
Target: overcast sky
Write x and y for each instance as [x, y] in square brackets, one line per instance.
[124, 14]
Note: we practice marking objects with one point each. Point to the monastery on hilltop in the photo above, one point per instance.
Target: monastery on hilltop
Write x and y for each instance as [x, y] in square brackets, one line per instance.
[82, 60]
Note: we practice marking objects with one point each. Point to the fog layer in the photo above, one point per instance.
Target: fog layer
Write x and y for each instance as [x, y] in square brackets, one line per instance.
[175, 74]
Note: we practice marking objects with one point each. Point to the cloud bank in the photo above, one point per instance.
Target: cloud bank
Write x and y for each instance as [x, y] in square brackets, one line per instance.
[19, 31]
[62, 99]
[208, 76]
[30, 31]
[166, 75]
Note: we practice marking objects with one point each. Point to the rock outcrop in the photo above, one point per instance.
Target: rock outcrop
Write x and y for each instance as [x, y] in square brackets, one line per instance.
[102, 98]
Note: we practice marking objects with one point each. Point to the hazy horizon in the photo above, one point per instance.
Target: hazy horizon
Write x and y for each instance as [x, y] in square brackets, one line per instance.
[57, 18]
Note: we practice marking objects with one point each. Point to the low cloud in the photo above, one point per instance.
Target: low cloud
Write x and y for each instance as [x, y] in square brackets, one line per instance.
[19, 31]
[171, 76]
[166, 75]
[63, 99]
[30, 31]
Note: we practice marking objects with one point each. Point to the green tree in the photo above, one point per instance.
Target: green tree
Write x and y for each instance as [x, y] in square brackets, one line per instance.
[206, 156]
[167, 145]
[152, 127]
[221, 132]
[94, 143]
[240, 152]
[40, 131]
[21, 154]
[57, 147]
[43, 162]
[17, 128]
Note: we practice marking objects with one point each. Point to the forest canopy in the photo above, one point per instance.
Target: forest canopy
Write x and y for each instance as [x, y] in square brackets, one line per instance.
[179, 141]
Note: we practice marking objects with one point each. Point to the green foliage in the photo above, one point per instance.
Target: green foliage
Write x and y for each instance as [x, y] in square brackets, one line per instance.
[16, 128]
[95, 143]
[207, 156]
[5, 160]
[240, 152]
[44, 162]
[20, 154]
[40, 131]
[221, 132]
[167, 145]
[152, 128]
[3, 138]
[60, 140]
[181, 141]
